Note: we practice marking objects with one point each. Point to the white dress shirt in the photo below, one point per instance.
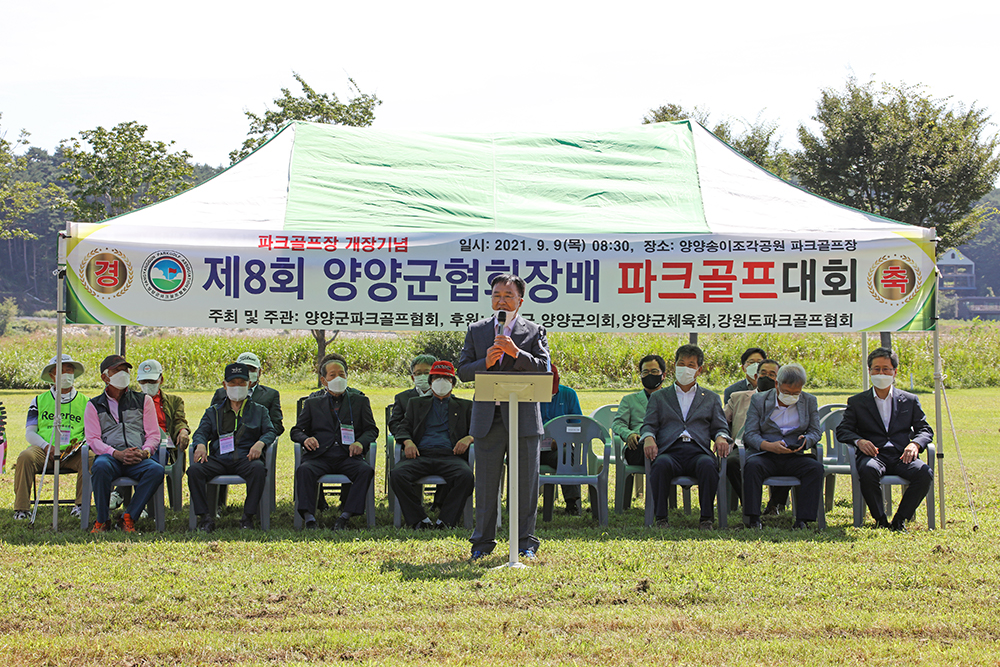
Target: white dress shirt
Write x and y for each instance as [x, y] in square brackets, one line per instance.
[685, 399]
[884, 406]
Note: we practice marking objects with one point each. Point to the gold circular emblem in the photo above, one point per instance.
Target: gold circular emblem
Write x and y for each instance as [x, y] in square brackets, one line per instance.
[106, 272]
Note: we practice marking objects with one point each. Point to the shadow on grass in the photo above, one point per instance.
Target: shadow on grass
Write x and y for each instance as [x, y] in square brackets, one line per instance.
[461, 570]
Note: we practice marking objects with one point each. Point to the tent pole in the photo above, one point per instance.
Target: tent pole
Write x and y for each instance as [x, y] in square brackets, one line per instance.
[886, 339]
[119, 341]
[864, 361]
[693, 338]
[938, 417]
[56, 434]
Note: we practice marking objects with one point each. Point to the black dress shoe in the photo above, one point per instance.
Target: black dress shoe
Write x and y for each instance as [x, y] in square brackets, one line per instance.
[882, 522]
[800, 525]
[573, 507]
[753, 524]
[341, 524]
[897, 526]
[311, 524]
[662, 523]
[246, 523]
[206, 524]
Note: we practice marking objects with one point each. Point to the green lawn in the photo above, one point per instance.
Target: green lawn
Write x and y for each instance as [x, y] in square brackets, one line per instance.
[620, 595]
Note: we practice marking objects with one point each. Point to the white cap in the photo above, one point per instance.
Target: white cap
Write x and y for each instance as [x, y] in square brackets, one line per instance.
[150, 370]
[249, 359]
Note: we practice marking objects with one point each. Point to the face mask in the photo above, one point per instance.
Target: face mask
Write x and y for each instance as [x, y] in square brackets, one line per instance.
[422, 383]
[441, 386]
[684, 375]
[120, 380]
[253, 375]
[337, 385]
[651, 381]
[150, 389]
[751, 369]
[67, 381]
[765, 383]
[788, 399]
[510, 316]
[237, 393]
[883, 381]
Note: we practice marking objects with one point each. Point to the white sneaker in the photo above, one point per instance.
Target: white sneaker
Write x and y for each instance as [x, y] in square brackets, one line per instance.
[116, 500]
[144, 515]
[76, 511]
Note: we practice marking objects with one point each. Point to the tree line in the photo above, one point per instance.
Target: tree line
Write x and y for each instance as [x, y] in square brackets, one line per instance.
[891, 150]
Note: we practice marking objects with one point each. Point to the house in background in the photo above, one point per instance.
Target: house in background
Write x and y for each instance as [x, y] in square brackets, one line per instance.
[957, 274]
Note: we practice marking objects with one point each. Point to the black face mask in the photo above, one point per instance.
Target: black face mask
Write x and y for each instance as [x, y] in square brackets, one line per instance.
[764, 383]
[651, 381]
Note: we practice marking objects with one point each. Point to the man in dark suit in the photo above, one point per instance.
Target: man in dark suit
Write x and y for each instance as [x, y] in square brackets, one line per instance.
[266, 396]
[781, 424]
[336, 430]
[435, 438]
[420, 369]
[888, 428]
[517, 346]
[749, 361]
[681, 422]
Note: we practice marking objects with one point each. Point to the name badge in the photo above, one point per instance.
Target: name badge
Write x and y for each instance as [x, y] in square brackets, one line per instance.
[64, 438]
[347, 435]
[227, 443]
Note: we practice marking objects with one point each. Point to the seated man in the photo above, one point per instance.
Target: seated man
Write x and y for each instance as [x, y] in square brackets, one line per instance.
[435, 436]
[632, 410]
[43, 442]
[748, 363]
[336, 430]
[170, 412]
[677, 435]
[266, 396]
[121, 429]
[564, 402]
[781, 424]
[230, 440]
[420, 369]
[888, 428]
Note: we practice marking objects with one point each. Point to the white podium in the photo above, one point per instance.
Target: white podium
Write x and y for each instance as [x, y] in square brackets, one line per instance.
[512, 388]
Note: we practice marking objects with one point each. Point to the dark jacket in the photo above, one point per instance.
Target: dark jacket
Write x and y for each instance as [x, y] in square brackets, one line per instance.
[266, 396]
[317, 420]
[414, 422]
[253, 425]
[862, 420]
[399, 402]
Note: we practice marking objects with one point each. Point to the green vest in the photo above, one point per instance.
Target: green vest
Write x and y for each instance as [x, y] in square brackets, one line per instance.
[71, 415]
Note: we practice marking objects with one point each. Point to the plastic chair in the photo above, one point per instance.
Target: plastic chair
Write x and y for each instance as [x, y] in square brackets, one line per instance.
[576, 463]
[159, 511]
[833, 452]
[267, 499]
[174, 472]
[390, 446]
[339, 480]
[888, 481]
[686, 483]
[785, 480]
[397, 512]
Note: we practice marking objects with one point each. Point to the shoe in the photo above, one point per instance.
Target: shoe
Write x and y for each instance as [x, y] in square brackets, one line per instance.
[116, 500]
[753, 524]
[772, 509]
[311, 524]
[528, 554]
[477, 555]
[144, 515]
[206, 524]
[21, 515]
[573, 508]
[707, 524]
[441, 525]
[98, 527]
[76, 511]
[662, 523]
[883, 522]
[341, 524]
[423, 525]
[799, 525]
[127, 524]
[897, 526]
[246, 523]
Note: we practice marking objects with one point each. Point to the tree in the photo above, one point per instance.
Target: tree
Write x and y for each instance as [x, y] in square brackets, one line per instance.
[897, 152]
[983, 248]
[359, 111]
[758, 142]
[19, 194]
[122, 171]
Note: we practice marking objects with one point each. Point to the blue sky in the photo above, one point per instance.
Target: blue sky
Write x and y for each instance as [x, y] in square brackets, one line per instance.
[189, 69]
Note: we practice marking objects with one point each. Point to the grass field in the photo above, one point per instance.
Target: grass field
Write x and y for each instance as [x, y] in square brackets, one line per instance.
[617, 595]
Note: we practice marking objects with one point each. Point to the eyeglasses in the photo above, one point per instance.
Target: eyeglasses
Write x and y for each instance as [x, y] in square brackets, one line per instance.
[649, 372]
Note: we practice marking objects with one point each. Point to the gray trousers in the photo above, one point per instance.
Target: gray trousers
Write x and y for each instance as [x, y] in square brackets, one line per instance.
[490, 453]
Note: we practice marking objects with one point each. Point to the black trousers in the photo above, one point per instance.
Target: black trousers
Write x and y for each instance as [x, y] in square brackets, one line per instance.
[808, 470]
[871, 470]
[236, 463]
[702, 466]
[455, 471]
[334, 461]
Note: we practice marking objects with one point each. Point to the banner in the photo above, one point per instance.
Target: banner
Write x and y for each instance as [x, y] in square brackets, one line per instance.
[421, 281]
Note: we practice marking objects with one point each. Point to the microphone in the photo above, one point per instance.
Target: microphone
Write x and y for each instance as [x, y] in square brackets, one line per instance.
[501, 320]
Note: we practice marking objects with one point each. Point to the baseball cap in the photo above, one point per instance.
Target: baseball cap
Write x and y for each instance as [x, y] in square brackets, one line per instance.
[444, 368]
[113, 360]
[234, 371]
[249, 359]
[150, 370]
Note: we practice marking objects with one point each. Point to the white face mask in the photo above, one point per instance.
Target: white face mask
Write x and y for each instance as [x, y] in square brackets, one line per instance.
[441, 387]
[67, 381]
[237, 393]
[788, 399]
[150, 389]
[120, 380]
[253, 376]
[422, 383]
[751, 369]
[684, 375]
[337, 385]
[883, 381]
[509, 318]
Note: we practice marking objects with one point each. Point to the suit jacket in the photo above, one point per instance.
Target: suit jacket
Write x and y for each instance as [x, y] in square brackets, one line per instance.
[739, 385]
[414, 423]
[266, 396]
[736, 411]
[760, 427]
[664, 421]
[316, 420]
[631, 412]
[907, 424]
[399, 403]
[530, 339]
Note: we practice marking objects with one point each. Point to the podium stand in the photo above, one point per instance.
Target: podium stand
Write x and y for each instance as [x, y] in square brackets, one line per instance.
[512, 388]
